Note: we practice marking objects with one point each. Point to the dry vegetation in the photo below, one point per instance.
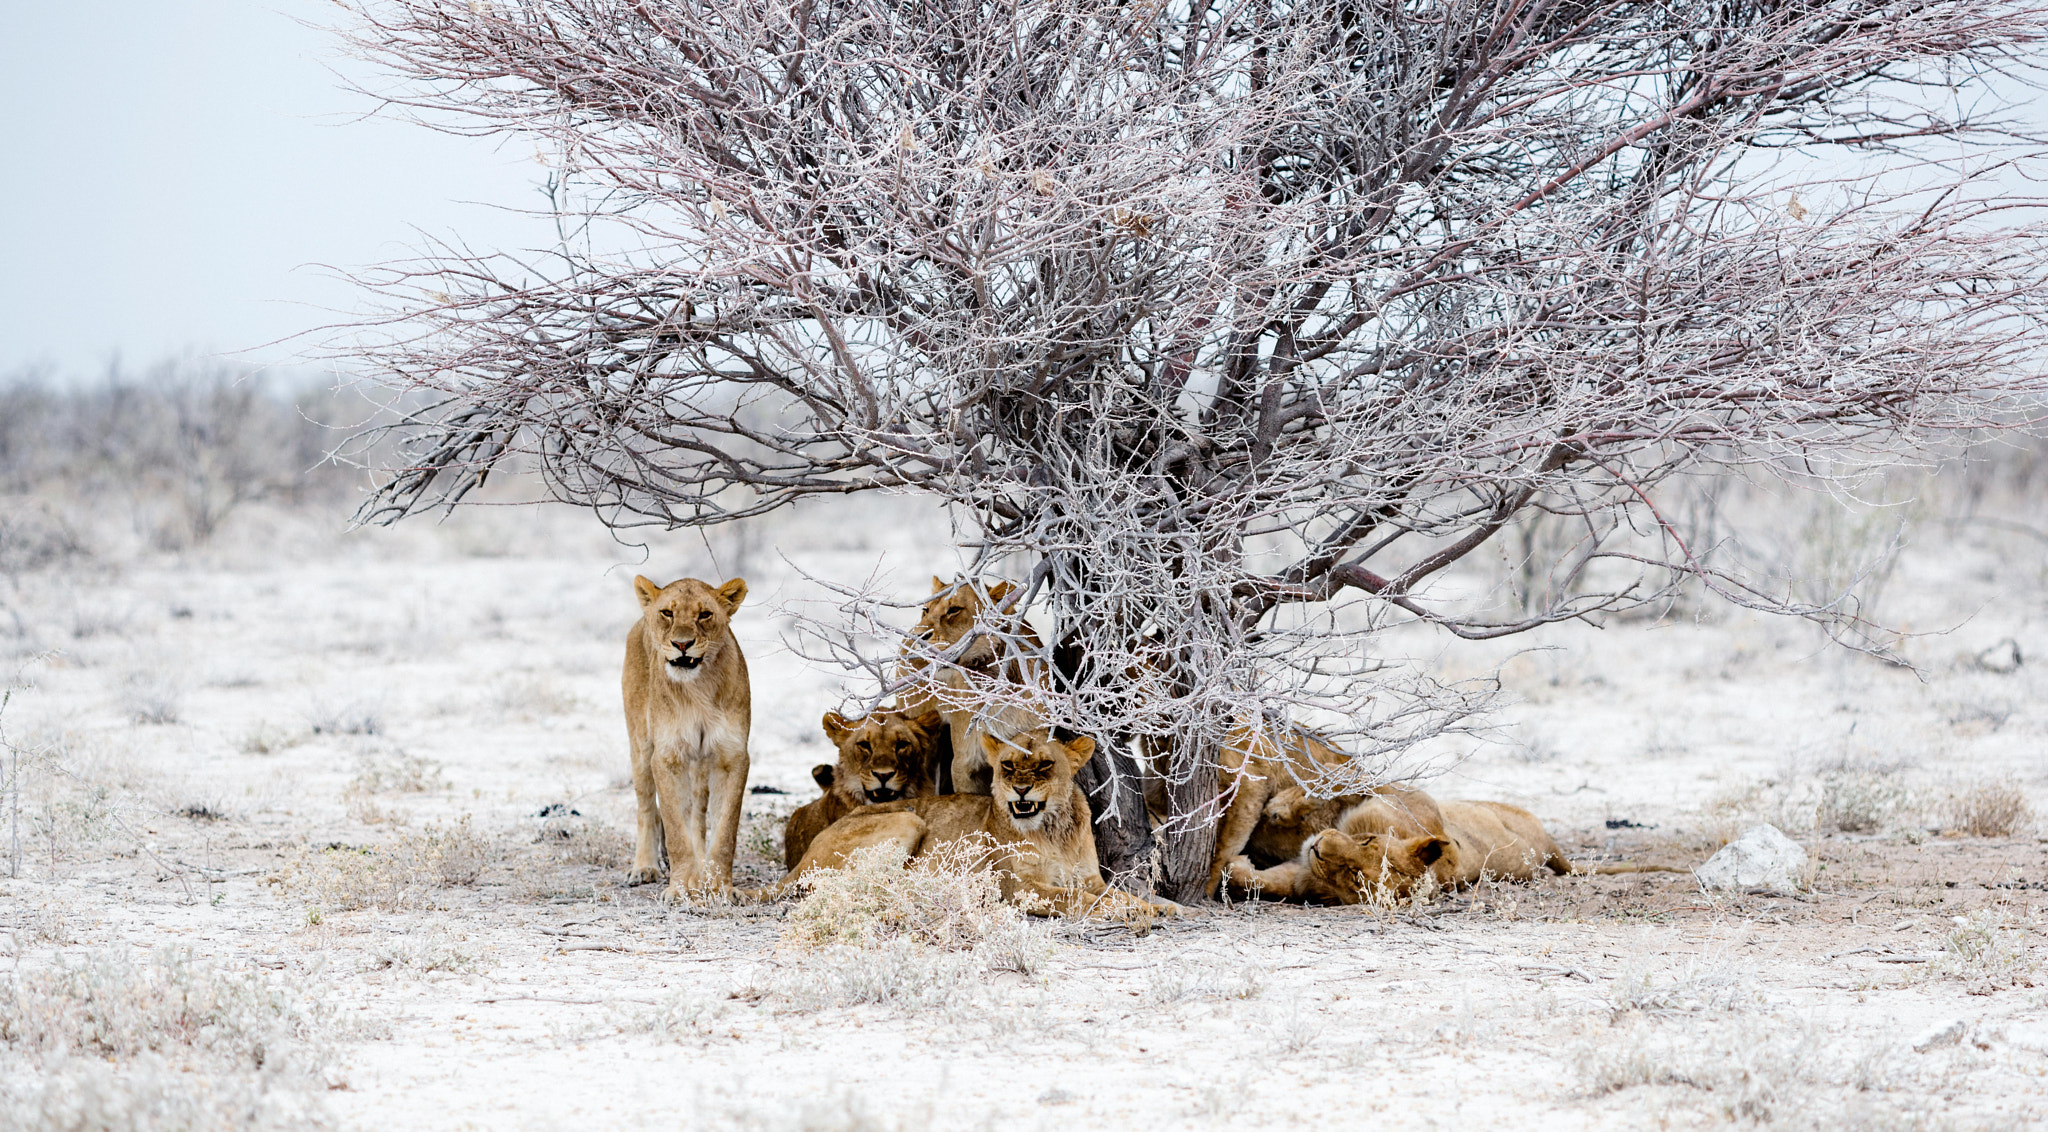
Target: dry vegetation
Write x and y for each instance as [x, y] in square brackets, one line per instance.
[367, 872]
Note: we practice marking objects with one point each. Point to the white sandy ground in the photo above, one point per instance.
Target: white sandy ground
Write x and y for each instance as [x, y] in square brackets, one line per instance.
[490, 647]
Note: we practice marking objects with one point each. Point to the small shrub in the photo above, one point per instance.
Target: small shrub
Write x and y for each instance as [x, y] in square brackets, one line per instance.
[351, 717]
[401, 874]
[397, 773]
[1176, 981]
[150, 698]
[425, 950]
[268, 739]
[1994, 809]
[948, 900]
[584, 841]
[1856, 801]
[1987, 950]
[1694, 990]
[678, 1017]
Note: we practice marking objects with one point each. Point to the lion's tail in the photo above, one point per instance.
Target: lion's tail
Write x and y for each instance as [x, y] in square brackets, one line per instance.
[1612, 870]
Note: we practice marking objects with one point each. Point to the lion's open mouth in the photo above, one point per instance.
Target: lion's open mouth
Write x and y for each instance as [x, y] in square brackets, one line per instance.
[685, 660]
[883, 794]
[1026, 808]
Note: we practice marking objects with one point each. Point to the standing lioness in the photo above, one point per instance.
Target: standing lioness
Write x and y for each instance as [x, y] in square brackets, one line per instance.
[688, 710]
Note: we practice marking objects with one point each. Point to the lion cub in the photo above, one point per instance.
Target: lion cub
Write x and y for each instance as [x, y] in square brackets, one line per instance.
[1040, 840]
[883, 758]
[1480, 841]
[1270, 815]
[688, 710]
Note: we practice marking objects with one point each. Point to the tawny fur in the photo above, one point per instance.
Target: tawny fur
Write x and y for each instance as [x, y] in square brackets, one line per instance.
[1270, 814]
[688, 714]
[960, 690]
[882, 758]
[1035, 828]
[1480, 841]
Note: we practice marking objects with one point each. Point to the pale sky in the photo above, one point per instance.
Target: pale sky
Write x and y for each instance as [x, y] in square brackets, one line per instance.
[172, 173]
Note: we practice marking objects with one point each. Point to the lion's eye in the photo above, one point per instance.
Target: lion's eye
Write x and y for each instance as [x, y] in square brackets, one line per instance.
[705, 615]
[900, 744]
[667, 614]
[1009, 768]
[1043, 766]
[955, 611]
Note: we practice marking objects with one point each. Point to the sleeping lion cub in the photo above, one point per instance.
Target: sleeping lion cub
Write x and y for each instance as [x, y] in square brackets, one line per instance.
[1482, 840]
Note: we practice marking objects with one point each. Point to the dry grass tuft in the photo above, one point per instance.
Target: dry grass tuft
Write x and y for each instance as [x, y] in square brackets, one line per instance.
[152, 698]
[1991, 809]
[1176, 981]
[401, 874]
[397, 773]
[1696, 989]
[922, 937]
[1987, 951]
[949, 900]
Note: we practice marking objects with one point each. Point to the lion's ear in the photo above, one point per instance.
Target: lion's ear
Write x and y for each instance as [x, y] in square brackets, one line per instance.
[999, 591]
[647, 591]
[835, 727]
[732, 594]
[1427, 850]
[930, 722]
[1079, 750]
[938, 583]
[822, 774]
[991, 747]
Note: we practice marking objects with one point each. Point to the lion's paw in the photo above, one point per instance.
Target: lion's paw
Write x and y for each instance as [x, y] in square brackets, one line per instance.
[638, 877]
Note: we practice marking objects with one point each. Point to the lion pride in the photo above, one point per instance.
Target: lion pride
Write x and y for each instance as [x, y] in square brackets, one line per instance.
[1036, 827]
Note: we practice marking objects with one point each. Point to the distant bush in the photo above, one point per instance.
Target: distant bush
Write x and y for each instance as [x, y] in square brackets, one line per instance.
[200, 437]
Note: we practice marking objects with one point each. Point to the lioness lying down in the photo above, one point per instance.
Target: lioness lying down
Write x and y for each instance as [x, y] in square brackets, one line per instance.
[1482, 840]
[1036, 825]
[883, 758]
[1270, 814]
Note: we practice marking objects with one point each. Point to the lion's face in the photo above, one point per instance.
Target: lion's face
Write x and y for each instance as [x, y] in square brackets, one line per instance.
[884, 757]
[688, 624]
[1343, 870]
[1034, 775]
[951, 613]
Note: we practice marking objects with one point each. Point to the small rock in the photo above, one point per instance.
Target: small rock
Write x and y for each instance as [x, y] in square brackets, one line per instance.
[1763, 858]
[1946, 1034]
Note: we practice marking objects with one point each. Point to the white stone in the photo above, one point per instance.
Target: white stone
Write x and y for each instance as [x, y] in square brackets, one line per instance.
[1947, 1034]
[1762, 858]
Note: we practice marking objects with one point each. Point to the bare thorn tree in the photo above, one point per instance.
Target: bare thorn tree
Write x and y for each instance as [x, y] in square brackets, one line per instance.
[1239, 323]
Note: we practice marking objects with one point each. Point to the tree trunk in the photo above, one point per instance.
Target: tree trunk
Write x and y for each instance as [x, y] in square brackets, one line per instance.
[1123, 838]
[1187, 844]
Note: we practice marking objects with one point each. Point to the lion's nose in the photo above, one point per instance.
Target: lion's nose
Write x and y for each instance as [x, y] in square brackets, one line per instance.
[882, 777]
[684, 644]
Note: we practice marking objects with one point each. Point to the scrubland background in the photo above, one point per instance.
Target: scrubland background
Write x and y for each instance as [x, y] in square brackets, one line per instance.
[310, 827]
